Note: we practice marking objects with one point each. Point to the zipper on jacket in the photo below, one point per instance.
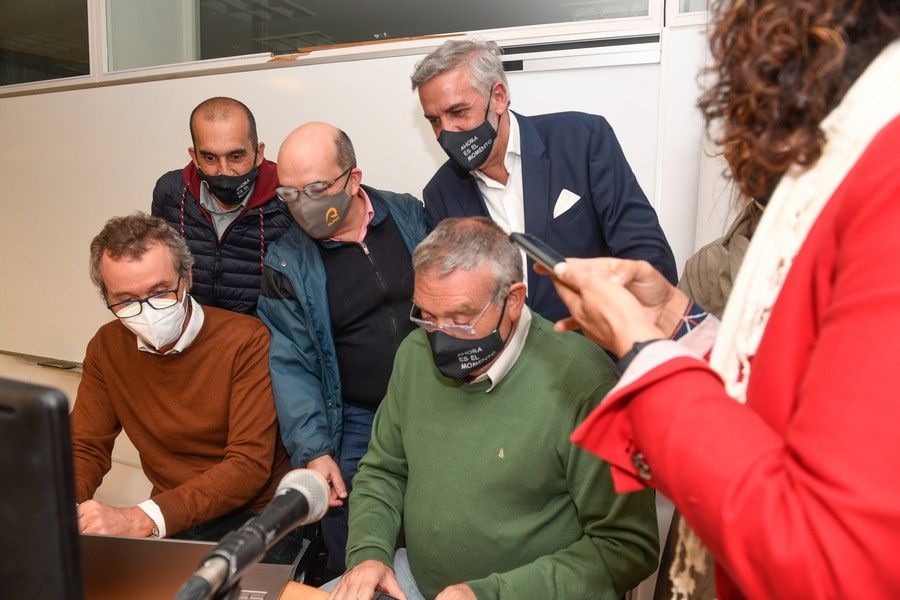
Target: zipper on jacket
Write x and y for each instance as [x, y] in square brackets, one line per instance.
[394, 325]
[217, 269]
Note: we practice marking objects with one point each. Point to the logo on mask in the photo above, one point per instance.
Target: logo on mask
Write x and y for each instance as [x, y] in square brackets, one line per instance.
[231, 190]
[318, 221]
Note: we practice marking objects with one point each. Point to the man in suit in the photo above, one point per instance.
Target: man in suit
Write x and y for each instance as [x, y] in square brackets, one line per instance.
[561, 176]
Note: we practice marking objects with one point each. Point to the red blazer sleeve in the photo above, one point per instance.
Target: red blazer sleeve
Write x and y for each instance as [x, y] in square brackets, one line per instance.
[797, 493]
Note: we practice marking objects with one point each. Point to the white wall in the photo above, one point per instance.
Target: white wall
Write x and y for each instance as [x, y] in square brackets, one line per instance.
[125, 484]
[684, 53]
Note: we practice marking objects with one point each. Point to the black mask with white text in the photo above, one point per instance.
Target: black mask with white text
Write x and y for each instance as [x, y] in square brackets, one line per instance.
[469, 149]
[230, 190]
[457, 357]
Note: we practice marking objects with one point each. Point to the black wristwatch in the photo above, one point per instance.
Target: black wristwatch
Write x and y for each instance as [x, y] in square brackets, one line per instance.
[626, 359]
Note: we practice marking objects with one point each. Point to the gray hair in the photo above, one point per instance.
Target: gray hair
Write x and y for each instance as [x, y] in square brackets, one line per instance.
[480, 57]
[346, 157]
[130, 237]
[467, 244]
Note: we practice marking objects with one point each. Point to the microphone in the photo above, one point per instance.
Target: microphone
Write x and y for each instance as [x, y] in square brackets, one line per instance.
[301, 498]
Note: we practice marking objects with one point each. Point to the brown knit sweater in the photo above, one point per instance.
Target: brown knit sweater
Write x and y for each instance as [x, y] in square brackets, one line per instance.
[203, 420]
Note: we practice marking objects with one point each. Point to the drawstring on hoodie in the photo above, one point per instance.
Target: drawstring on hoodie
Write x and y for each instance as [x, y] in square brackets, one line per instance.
[262, 241]
[181, 213]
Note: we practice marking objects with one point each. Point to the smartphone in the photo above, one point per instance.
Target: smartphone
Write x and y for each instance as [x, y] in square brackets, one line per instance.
[537, 249]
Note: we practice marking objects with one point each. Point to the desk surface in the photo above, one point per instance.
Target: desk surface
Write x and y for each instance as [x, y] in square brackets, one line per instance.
[299, 591]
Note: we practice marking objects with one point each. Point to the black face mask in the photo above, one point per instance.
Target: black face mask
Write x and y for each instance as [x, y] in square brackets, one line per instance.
[469, 149]
[230, 190]
[456, 357]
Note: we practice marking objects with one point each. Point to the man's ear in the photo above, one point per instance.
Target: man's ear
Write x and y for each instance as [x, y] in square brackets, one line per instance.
[499, 98]
[189, 280]
[260, 153]
[355, 181]
[192, 154]
[516, 300]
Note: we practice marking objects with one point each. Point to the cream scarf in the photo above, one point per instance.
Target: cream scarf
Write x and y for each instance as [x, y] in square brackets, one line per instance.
[870, 104]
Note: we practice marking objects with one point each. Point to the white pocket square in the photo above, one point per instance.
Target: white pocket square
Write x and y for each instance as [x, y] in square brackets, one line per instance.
[565, 201]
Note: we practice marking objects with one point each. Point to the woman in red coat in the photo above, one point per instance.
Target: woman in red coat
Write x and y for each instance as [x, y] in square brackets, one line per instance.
[776, 432]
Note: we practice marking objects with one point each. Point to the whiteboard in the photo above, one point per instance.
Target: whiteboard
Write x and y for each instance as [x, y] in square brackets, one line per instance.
[73, 159]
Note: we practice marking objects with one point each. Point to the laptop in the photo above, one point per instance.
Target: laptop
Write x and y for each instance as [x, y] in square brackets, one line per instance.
[155, 569]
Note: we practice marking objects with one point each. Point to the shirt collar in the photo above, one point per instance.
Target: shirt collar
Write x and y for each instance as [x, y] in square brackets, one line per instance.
[513, 148]
[195, 323]
[370, 212]
[375, 214]
[510, 353]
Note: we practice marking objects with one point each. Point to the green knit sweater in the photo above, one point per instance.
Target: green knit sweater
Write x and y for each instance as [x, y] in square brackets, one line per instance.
[488, 487]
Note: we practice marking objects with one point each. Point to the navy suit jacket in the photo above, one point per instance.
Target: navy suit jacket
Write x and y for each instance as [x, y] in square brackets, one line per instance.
[576, 152]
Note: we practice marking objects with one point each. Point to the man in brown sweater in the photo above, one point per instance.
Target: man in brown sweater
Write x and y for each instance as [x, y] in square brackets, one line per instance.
[189, 385]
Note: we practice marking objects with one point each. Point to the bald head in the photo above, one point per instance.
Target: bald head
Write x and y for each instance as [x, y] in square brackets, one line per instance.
[315, 150]
[221, 109]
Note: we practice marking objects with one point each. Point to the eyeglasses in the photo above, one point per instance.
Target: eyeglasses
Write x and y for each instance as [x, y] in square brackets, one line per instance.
[415, 315]
[313, 191]
[159, 301]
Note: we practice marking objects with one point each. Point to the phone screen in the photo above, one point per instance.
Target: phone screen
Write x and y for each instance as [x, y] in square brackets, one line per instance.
[537, 249]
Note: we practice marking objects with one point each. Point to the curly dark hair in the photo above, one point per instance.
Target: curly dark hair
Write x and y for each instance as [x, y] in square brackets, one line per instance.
[780, 66]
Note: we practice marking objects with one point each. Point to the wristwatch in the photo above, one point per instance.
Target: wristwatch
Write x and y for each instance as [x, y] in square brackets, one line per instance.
[626, 359]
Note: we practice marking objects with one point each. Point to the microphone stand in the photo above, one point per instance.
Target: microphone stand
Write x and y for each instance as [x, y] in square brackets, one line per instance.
[301, 498]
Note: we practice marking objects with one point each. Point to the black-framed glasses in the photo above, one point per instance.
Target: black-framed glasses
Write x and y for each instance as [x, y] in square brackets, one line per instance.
[312, 191]
[415, 315]
[159, 301]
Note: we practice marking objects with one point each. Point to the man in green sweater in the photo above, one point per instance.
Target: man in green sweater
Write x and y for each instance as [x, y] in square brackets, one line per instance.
[470, 448]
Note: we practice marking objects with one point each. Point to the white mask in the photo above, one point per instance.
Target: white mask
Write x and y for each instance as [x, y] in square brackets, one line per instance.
[158, 327]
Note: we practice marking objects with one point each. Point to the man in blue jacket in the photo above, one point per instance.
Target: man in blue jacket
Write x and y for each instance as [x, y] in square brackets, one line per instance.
[561, 176]
[336, 295]
[223, 204]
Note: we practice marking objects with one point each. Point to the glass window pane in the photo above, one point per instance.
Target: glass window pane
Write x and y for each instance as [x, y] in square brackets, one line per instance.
[687, 6]
[43, 39]
[142, 33]
[146, 33]
[230, 27]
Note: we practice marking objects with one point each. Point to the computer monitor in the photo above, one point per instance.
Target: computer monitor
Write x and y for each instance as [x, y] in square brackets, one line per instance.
[38, 521]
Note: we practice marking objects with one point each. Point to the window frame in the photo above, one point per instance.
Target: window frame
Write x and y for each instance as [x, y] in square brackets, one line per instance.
[100, 74]
[676, 18]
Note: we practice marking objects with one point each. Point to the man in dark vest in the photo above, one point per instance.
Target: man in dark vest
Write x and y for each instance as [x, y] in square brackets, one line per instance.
[336, 296]
[223, 204]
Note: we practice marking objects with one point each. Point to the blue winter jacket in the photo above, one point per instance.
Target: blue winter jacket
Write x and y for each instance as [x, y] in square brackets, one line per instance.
[302, 357]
